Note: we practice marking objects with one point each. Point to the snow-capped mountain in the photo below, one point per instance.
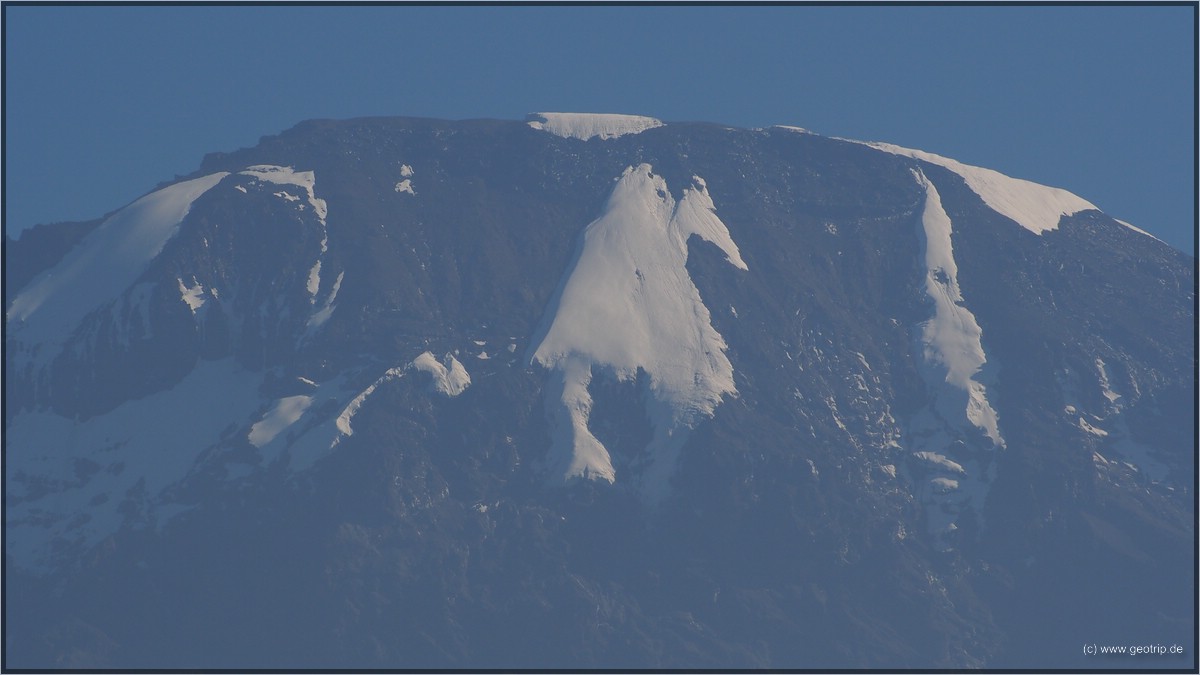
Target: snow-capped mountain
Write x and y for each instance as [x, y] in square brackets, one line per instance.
[596, 390]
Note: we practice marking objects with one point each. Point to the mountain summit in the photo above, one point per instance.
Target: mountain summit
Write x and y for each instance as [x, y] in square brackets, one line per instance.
[596, 391]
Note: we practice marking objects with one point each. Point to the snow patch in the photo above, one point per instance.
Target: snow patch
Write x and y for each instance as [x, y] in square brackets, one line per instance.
[351, 409]
[585, 126]
[1083, 424]
[449, 376]
[285, 413]
[306, 180]
[1035, 207]
[863, 360]
[314, 281]
[944, 485]
[406, 171]
[1105, 388]
[193, 296]
[286, 175]
[322, 315]
[627, 305]
[405, 186]
[940, 461]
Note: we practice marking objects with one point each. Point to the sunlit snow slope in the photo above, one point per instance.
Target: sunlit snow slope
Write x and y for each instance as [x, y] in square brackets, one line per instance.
[628, 304]
[1033, 206]
[101, 267]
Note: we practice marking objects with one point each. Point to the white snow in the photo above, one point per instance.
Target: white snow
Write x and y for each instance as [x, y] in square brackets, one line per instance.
[406, 171]
[449, 376]
[889, 469]
[347, 414]
[944, 485]
[322, 315]
[628, 304]
[1119, 435]
[1137, 229]
[1105, 388]
[1083, 424]
[482, 356]
[317, 437]
[951, 339]
[241, 189]
[950, 359]
[193, 295]
[285, 413]
[568, 400]
[1035, 207]
[306, 180]
[1116, 436]
[102, 266]
[314, 281]
[405, 186]
[585, 126]
[940, 461]
[863, 360]
[286, 175]
[799, 130]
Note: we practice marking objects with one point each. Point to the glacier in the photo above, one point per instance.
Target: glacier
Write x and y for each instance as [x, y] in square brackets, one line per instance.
[585, 126]
[628, 305]
[102, 266]
[1033, 206]
[953, 350]
[951, 355]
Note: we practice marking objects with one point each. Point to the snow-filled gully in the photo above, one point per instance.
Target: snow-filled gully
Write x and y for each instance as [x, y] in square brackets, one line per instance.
[951, 357]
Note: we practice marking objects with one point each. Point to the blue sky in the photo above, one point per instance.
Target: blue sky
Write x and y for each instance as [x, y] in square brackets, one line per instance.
[103, 103]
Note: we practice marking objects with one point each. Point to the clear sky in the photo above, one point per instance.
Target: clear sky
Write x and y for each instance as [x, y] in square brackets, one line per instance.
[103, 103]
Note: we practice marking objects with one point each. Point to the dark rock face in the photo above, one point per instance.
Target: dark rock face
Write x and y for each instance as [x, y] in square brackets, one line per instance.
[801, 528]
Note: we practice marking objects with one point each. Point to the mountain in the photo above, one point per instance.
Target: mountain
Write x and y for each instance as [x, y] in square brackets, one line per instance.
[597, 391]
